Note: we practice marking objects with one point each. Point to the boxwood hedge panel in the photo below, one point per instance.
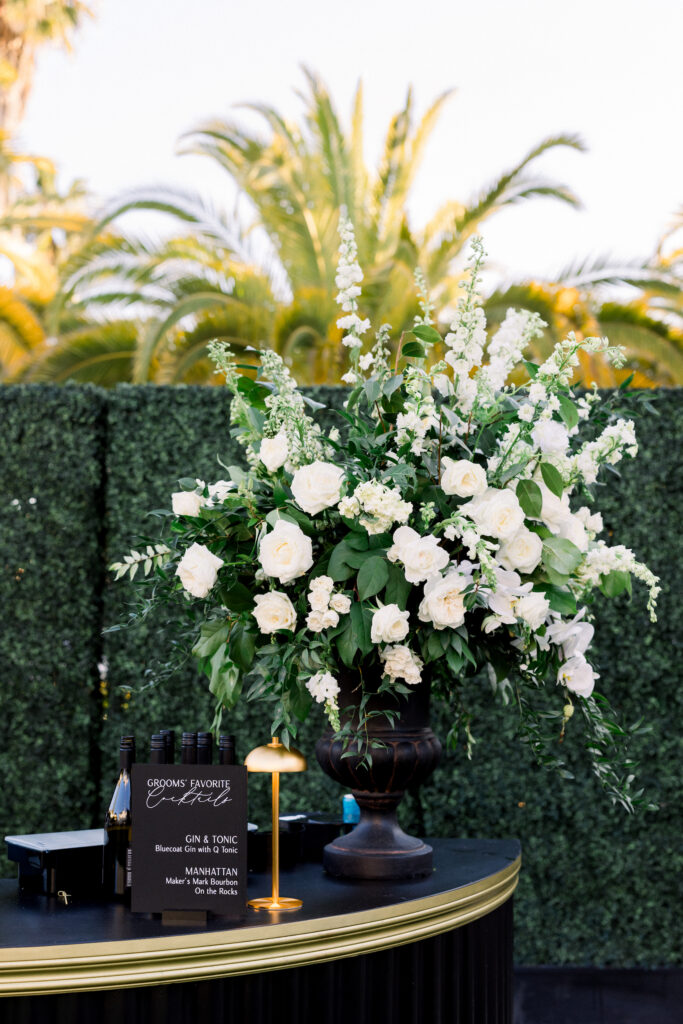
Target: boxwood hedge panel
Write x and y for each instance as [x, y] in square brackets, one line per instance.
[597, 887]
[51, 574]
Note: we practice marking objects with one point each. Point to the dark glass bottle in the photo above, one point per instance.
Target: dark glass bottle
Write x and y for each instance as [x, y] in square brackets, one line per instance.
[188, 750]
[116, 858]
[226, 749]
[157, 749]
[169, 740]
[204, 748]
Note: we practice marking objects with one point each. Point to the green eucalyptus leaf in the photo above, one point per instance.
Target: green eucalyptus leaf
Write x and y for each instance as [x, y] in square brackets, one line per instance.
[568, 411]
[560, 555]
[427, 334]
[552, 478]
[413, 350]
[615, 583]
[530, 498]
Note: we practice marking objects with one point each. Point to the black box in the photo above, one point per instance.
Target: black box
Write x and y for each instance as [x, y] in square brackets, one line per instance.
[53, 861]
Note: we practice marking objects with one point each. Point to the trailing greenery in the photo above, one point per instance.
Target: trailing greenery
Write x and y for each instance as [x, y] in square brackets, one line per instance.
[597, 886]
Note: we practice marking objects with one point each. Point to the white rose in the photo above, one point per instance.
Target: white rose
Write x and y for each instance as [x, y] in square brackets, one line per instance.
[286, 552]
[330, 618]
[554, 510]
[314, 621]
[497, 513]
[274, 451]
[317, 486]
[186, 503]
[322, 583]
[522, 551]
[340, 603]
[421, 556]
[533, 609]
[274, 611]
[389, 624]
[444, 601]
[198, 569]
[466, 479]
[574, 530]
[577, 675]
[550, 436]
[319, 600]
[401, 663]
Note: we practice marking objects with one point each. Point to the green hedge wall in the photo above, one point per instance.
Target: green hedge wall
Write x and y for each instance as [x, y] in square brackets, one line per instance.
[51, 576]
[596, 887]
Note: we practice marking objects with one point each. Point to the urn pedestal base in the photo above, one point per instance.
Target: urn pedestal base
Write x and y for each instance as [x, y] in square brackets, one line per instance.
[377, 848]
[402, 755]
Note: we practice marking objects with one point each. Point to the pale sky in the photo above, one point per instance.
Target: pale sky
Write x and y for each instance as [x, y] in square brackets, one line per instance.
[146, 70]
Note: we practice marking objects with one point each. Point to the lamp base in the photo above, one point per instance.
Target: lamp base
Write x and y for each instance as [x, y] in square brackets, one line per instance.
[268, 903]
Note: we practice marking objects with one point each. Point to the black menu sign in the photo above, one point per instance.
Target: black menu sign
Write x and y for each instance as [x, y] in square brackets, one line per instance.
[189, 847]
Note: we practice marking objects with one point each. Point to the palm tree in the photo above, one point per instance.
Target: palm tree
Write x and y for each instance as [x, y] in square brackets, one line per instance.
[638, 306]
[272, 279]
[25, 25]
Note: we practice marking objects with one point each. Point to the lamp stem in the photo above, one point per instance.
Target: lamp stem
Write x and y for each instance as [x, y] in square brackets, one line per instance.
[276, 837]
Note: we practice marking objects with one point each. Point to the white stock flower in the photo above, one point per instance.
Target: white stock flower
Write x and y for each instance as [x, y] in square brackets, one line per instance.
[198, 570]
[533, 609]
[522, 551]
[401, 663]
[274, 451]
[286, 552]
[349, 507]
[461, 477]
[274, 611]
[389, 624]
[323, 687]
[422, 557]
[443, 603]
[186, 503]
[496, 513]
[317, 486]
[577, 675]
[366, 361]
[340, 603]
[550, 436]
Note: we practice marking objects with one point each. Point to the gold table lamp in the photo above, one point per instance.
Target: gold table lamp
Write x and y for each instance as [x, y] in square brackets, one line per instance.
[275, 758]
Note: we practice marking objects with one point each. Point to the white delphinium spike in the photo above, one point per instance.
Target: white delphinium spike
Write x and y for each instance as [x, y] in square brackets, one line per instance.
[424, 301]
[467, 336]
[349, 276]
[506, 349]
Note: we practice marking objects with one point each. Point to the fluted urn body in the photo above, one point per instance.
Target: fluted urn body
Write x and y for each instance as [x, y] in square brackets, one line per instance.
[406, 755]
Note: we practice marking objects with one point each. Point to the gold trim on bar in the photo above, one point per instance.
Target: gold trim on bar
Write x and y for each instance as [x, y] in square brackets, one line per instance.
[91, 966]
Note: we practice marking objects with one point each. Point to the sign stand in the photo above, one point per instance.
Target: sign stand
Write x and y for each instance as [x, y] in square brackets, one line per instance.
[189, 841]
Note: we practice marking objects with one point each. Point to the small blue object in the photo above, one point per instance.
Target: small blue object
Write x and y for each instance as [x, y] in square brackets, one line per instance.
[351, 810]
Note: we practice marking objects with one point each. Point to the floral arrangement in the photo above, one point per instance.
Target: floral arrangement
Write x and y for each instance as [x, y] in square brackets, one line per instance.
[446, 526]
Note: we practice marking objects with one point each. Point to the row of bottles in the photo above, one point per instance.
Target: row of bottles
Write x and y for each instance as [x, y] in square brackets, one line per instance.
[196, 748]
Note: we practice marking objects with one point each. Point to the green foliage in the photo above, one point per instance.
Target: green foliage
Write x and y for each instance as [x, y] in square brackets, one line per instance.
[597, 886]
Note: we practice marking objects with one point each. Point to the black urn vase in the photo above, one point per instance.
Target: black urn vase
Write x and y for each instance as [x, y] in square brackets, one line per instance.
[409, 752]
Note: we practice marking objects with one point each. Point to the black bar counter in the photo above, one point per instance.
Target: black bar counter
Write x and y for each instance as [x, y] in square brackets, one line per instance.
[431, 950]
